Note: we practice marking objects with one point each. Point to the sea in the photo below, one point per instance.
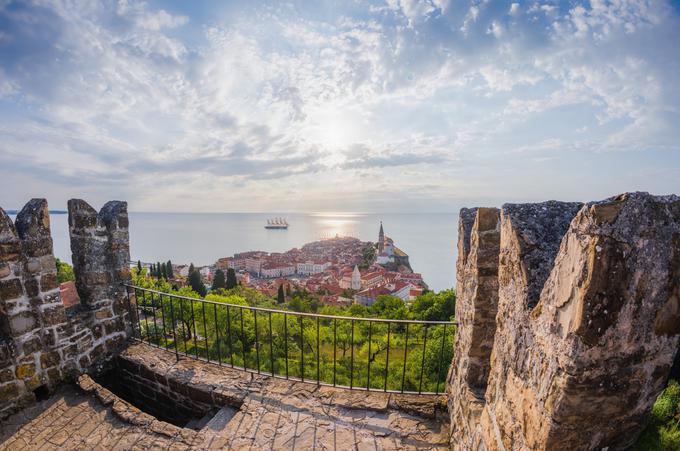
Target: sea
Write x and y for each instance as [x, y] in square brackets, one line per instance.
[201, 238]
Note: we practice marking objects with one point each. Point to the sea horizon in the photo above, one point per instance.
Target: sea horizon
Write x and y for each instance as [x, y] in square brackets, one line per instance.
[201, 238]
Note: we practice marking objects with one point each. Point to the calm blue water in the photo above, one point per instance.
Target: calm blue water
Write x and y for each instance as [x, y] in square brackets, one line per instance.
[429, 239]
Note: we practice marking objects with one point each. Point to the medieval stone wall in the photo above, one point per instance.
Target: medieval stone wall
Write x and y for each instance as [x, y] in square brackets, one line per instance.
[586, 327]
[41, 342]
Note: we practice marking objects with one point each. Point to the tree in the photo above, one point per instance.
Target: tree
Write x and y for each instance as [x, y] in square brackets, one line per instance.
[196, 283]
[219, 280]
[434, 306]
[191, 268]
[281, 297]
[231, 279]
[139, 266]
[164, 271]
[168, 270]
[64, 272]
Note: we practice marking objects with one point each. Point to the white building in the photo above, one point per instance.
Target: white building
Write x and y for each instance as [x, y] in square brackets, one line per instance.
[254, 265]
[356, 279]
[310, 267]
[400, 289]
[271, 271]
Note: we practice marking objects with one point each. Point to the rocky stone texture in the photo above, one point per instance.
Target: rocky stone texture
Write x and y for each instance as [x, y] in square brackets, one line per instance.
[476, 306]
[41, 342]
[587, 324]
[30, 307]
[101, 254]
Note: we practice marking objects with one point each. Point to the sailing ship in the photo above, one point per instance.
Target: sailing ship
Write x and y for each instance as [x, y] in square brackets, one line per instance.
[276, 223]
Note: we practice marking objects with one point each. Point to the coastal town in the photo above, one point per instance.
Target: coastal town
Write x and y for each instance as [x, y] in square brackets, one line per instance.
[339, 271]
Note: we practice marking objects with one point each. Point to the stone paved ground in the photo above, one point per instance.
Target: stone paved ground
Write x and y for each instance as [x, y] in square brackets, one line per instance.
[272, 414]
[71, 419]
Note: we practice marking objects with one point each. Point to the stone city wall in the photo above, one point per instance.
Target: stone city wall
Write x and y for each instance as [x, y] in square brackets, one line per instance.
[587, 319]
[42, 342]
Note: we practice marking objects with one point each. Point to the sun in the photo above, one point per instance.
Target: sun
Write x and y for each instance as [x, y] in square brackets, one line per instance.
[336, 128]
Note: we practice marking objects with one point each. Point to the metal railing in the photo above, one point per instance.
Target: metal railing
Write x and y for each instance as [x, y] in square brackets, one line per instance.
[376, 354]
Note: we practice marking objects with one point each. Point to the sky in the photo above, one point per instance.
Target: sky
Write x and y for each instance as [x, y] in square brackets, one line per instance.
[385, 106]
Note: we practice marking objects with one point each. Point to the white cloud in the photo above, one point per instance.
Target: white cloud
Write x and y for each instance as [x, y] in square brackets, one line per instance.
[269, 107]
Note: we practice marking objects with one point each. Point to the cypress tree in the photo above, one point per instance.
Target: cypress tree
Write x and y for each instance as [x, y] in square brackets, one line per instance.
[231, 279]
[164, 270]
[168, 270]
[139, 267]
[197, 284]
[219, 281]
[281, 297]
[159, 270]
[191, 268]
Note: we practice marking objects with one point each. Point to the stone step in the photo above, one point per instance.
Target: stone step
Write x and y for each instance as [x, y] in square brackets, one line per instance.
[219, 421]
[199, 423]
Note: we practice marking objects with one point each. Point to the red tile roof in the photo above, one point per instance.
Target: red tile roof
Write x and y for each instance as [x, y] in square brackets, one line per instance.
[69, 294]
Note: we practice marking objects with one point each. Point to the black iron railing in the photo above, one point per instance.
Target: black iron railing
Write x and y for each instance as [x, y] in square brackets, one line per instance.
[388, 355]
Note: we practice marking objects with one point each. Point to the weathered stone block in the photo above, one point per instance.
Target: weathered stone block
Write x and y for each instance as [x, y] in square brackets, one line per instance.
[25, 370]
[49, 282]
[48, 263]
[103, 313]
[31, 345]
[10, 289]
[54, 315]
[33, 266]
[9, 392]
[31, 287]
[6, 375]
[22, 322]
[5, 270]
[49, 359]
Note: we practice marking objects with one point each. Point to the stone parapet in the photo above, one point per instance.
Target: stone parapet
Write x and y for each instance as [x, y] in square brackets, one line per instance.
[42, 342]
[476, 306]
[587, 324]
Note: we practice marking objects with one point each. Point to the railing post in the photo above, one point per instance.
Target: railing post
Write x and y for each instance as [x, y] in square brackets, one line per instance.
[441, 357]
[403, 372]
[368, 373]
[271, 344]
[351, 359]
[387, 357]
[217, 336]
[174, 334]
[257, 344]
[318, 358]
[205, 331]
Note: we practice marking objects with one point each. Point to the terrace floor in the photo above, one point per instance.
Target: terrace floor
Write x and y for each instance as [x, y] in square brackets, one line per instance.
[273, 414]
[71, 419]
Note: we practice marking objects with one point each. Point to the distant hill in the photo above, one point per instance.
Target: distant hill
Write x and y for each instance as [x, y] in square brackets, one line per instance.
[52, 212]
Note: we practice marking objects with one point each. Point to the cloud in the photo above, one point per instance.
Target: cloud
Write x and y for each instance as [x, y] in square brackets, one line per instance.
[266, 103]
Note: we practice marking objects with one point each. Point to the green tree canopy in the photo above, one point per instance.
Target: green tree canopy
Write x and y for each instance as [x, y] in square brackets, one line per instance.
[435, 306]
[196, 283]
[281, 297]
[219, 281]
[231, 278]
[64, 272]
[386, 306]
[168, 270]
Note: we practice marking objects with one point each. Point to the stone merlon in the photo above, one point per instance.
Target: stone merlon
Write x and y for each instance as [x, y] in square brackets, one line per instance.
[587, 317]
